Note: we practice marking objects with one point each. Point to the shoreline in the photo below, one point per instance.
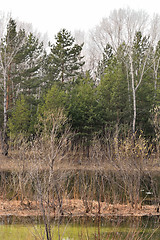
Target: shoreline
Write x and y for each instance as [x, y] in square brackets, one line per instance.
[75, 208]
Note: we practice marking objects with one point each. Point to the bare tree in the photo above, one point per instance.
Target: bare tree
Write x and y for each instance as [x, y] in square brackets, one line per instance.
[49, 153]
[119, 27]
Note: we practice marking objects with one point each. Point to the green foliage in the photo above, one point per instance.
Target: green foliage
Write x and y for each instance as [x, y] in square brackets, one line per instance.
[90, 104]
[64, 61]
[82, 107]
[22, 118]
[53, 105]
[145, 93]
[28, 61]
[113, 104]
[107, 59]
[140, 45]
[21, 59]
[145, 102]
[78, 104]
[55, 98]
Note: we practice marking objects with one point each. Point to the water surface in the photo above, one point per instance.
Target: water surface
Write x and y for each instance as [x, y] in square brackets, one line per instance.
[83, 228]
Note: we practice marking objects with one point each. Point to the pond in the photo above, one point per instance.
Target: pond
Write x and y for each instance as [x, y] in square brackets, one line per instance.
[83, 229]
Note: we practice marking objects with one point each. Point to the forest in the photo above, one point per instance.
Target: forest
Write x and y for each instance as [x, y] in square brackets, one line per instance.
[85, 113]
[120, 92]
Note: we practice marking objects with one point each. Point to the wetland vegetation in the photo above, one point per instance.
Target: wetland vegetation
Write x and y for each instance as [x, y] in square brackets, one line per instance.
[81, 138]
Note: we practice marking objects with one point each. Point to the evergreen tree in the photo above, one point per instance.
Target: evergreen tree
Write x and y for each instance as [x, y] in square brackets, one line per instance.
[22, 119]
[64, 61]
[20, 59]
[105, 62]
[113, 105]
[55, 99]
[81, 108]
[28, 72]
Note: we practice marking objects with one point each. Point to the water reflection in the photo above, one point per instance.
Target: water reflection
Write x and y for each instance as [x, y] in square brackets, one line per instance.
[81, 228]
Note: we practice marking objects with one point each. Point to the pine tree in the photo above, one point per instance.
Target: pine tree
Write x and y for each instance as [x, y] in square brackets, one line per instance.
[64, 61]
[105, 62]
[113, 104]
[81, 108]
[22, 119]
[20, 62]
[28, 73]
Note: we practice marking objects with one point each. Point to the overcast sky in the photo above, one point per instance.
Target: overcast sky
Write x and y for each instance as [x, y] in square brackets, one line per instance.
[52, 15]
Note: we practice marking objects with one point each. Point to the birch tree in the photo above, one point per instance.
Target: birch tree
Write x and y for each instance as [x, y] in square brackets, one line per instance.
[139, 53]
[10, 44]
[120, 28]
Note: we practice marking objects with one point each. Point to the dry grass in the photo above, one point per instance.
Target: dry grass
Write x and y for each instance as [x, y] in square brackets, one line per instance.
[74, 207]
[12, 162]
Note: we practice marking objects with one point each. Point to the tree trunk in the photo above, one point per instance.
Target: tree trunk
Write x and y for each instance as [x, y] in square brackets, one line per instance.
[134, 96]
[155, 75]
[4, 136]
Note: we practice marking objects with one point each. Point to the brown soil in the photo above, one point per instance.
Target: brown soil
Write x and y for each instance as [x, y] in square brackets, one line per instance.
[74, 208]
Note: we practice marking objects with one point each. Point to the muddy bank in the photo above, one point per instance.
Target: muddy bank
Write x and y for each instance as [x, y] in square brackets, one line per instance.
[75, 208]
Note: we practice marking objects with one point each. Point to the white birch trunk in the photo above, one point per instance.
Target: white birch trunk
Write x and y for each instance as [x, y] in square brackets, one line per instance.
[5, 62]
[133, 94]
[5, 101]
[4, 138]
[134, 88]
[155, 75]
